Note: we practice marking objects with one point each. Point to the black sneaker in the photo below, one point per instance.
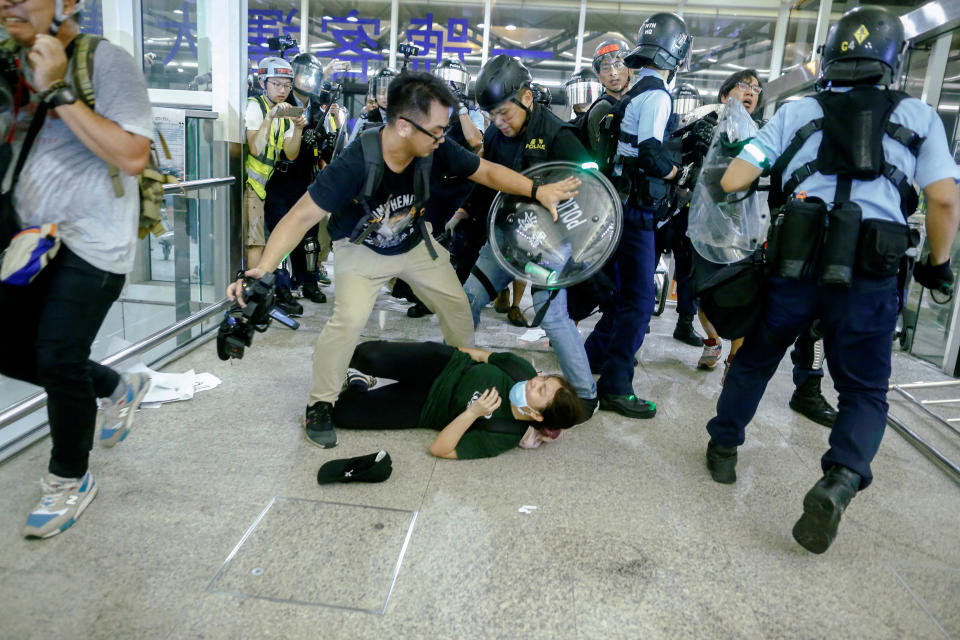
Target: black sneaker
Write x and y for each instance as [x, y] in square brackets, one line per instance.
[318, 425]
[312, 292]
[822, 507]
[722, 463]
[629, 406]
[418, 311]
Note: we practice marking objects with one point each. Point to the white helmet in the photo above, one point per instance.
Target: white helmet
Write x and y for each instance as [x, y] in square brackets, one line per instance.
[274, 67]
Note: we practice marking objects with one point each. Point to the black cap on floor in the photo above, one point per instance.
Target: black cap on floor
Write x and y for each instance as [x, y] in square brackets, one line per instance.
[375, 467]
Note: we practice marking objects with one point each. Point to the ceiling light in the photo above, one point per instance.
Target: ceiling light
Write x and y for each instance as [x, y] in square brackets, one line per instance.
[511, 27]
[351, 18]
[178, 11]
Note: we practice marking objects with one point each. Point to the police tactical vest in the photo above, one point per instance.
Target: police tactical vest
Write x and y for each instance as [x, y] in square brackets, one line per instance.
[854, 124]
[261, 167]
[537, 139]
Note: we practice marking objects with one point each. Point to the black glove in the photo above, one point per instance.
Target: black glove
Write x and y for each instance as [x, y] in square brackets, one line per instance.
[937, 278]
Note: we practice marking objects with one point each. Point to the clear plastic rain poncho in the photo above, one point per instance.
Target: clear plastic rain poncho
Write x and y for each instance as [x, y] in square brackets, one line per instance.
[725, 228]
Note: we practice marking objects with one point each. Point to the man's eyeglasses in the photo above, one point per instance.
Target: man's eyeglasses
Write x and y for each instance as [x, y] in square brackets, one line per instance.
[616, 64]
[755, 88]
[436, 139]
[276, 84]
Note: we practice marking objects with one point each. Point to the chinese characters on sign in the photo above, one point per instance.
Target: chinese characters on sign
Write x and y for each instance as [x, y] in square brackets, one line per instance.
[355, 39]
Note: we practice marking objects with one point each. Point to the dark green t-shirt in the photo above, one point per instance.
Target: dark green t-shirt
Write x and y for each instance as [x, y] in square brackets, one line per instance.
[460, 383]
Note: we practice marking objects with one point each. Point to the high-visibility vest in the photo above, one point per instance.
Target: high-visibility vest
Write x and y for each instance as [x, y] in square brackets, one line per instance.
[260, 168]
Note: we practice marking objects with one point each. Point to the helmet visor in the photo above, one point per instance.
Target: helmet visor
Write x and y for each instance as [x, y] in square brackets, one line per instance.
[583, 91]
[458, 78]
[307, 78]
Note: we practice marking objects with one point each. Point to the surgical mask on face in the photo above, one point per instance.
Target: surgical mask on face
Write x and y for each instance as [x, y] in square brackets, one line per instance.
[518, 395]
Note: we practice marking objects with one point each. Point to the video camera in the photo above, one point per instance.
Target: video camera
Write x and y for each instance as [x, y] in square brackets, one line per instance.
[407, 51]
[281, 43]
[239, 323]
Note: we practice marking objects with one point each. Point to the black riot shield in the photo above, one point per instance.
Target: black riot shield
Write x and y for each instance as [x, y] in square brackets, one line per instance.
[531, 246]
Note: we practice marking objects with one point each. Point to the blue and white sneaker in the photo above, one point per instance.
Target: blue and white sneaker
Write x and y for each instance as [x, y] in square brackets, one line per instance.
[64, 499]
[114, 419]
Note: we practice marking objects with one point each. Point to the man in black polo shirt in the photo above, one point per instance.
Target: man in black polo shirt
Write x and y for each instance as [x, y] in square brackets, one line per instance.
[418, 113]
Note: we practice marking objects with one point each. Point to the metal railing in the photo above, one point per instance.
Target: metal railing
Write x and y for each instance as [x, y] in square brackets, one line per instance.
[194, 185]
[39, 400]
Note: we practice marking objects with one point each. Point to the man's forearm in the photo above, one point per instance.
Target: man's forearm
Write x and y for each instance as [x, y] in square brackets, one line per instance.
[126, 151]
[290, 231]
[943, 214]
[259, 141]
[448, 439]
[291, 146]
[500, 178]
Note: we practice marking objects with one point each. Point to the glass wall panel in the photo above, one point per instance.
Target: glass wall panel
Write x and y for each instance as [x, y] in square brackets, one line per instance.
[722, 44]
[176, 51]
[91, 19]
[443, 31]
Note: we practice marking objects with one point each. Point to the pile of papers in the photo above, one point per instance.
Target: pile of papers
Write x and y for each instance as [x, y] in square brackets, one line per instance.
[174, 387]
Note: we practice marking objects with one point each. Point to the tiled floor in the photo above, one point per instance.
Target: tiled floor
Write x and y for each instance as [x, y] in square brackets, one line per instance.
[629, 539]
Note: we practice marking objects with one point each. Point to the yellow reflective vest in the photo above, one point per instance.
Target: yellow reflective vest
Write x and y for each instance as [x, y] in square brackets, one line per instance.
[260, 168]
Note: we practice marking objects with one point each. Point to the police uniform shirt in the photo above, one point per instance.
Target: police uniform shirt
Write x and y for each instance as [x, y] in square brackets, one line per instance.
[878, 199]
[646, 116]
[337, 188]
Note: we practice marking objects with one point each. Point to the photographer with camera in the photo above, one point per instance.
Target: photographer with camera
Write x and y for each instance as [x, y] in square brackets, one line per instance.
[292, 177]
[64, 180]
[373, 194]
[273, 126]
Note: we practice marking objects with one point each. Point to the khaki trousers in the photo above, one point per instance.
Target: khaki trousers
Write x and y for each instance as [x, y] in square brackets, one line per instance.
[359, 273]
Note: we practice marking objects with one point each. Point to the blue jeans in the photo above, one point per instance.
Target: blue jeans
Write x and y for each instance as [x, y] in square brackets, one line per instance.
[857, 325]
[564, 336]
[619, 333]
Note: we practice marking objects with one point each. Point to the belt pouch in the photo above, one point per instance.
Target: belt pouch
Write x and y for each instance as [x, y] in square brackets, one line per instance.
[799, 239]
[840, 244]
[882, 244]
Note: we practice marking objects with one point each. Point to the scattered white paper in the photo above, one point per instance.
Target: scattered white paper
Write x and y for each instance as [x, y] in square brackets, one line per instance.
[527, 508]
[532, 335]
[205, 382]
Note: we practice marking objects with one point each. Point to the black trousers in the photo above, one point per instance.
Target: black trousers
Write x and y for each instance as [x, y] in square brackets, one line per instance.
[276, 205]
[414, 365]
[48, 328]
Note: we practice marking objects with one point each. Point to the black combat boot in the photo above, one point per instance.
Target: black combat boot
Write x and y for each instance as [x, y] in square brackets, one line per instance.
[722, 463]
[287, 304]
[808, 401]
[418, 310]
[684, 332]
[312, 292]
[822, 507]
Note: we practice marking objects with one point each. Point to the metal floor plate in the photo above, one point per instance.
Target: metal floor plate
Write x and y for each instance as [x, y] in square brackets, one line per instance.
[319, 553]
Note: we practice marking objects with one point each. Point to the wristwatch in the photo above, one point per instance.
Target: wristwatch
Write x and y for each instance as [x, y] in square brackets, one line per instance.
[536, 185]
[60, 96]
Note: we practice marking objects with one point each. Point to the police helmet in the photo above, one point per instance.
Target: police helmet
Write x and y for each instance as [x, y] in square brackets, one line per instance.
[582, 88]
[541, 94]
[609, 50]
[663, 41]
[307, 74]
[454, 73]
[864, 47]
[381, 84]
[686, 98]
[274, 67]
[500, 80]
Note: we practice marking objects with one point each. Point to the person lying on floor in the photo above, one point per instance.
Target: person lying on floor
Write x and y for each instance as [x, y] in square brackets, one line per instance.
[482, 403]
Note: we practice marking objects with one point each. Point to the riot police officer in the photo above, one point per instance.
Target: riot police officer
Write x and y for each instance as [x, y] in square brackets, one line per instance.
[522, 134]
[647, 172]
[844, 162]
[374, 112]
[582, 90]
[615, 77]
